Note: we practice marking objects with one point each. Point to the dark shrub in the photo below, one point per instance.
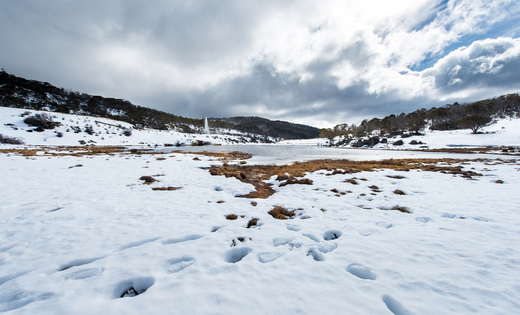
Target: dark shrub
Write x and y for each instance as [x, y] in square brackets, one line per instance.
[127, 132]
[41, 121]
[10, 140]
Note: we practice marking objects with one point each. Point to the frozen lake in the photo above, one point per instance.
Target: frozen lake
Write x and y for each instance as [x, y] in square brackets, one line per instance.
[283, 154]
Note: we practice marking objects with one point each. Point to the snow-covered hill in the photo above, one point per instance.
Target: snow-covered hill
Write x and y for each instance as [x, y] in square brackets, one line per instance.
[102, 131]
[505, 132]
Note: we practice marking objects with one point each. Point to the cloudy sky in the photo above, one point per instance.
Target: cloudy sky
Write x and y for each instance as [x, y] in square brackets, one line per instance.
[315, 62]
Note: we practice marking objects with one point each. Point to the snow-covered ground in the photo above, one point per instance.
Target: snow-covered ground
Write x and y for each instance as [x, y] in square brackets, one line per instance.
[78, 232]
[105, 131]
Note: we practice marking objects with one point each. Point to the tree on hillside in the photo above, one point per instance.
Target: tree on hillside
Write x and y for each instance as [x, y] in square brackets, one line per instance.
[474, 122]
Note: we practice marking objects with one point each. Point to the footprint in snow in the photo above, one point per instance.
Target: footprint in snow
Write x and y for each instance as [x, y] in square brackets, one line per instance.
[138, 243]
[293, 227]
[279, 241]
[326, 247]
[182, 239]
[423, 219]
[178, 264]
[267, 257]
[84, 274]
[316, 255]
[384, 225]
[332, 235]
[12, 276]
[236, 254]
[361, 272]
[312, 237]
[77, 263]
[394, 305]
[133, 287]
[367, 232]
[17, 299]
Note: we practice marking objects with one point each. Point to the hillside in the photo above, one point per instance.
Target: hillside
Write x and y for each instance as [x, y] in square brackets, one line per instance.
[69, 129]
[18, 92]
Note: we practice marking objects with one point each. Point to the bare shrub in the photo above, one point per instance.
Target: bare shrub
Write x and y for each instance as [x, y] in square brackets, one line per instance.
[42, 121]
[281, 213]
[10, 140]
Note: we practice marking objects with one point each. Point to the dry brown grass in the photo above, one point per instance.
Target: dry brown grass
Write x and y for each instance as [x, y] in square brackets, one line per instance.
[293, 181]
[395, 176]
[373, 187]
[231, 217]
[252, 222]
[166, 188]
[399, 192]
[256, 174]
[254, 203]
[148, 179]
[402, 209]
[351, 181]
[220, 201]
[499, 181]
[281, 213]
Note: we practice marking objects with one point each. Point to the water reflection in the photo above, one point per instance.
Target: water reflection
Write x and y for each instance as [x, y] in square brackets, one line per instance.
[283, 154]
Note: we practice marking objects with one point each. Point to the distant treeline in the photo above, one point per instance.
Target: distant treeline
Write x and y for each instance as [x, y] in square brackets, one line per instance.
[449, 117]
[31, 94]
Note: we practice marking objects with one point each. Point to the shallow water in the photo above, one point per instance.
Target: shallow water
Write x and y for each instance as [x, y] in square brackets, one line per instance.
[282, 154]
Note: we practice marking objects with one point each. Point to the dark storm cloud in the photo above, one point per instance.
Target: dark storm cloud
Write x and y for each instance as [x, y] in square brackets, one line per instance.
[322, 63]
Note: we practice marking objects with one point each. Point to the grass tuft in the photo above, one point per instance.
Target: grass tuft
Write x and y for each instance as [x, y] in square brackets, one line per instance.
[231, 217]
[252, 222]
[281, 213]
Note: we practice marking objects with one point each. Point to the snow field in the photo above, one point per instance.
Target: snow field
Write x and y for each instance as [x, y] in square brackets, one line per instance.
[77, 238]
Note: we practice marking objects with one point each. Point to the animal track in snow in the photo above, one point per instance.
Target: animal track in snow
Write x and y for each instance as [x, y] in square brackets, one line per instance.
[267, 257]
[332, 235]
[361, 272]
[77, 263]
[394, 305]
[182, 239]
[178, 264]
[139, 243]
[236, 254]
[133, 287]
